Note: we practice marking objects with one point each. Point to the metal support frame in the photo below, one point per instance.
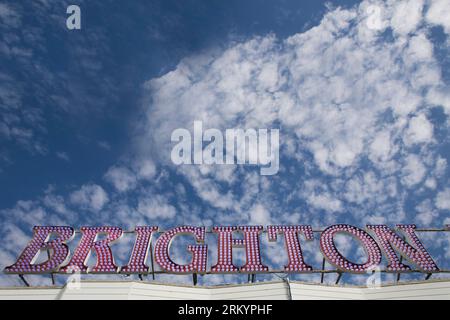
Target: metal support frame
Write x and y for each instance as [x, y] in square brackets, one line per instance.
[446, 271]
[194, 279]
[24, 280]
[401, 260]
[339, 277]
[152, 263]
[399, 274]
[286, 280]
[52, 275]
[323, 268]
[251, 277]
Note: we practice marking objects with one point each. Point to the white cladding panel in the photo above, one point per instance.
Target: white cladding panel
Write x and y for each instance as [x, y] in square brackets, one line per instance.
[270, 290]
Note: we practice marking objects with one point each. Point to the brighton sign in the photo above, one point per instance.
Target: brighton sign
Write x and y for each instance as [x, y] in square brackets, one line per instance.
[377, 241]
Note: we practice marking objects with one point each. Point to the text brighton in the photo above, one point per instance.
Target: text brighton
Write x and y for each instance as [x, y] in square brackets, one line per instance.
[378, 241]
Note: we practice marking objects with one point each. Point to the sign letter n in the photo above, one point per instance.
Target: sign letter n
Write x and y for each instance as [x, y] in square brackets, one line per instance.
[73, 22]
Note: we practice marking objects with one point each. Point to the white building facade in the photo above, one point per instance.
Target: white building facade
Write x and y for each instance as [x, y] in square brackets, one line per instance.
[140, 290]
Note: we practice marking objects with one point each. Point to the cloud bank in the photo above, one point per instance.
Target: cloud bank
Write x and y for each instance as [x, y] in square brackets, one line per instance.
[362, 106]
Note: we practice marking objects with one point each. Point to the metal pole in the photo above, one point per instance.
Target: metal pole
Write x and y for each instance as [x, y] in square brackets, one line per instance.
[399, 274]
[323, 268]
[446, 271]
[339, 277]
[401, 260]
[51, 274]
[24, 280]
[151, 259]
[194, 278]
[286, 279]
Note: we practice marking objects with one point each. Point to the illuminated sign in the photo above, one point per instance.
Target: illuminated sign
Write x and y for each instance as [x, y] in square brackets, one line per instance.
[376, 240]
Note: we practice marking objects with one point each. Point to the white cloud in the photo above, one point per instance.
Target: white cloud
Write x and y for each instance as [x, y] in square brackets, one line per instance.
[361, 189]
[147, 170]
[441, 166]
[407, 15]
[304, 82]
[381, 146]
[63, 155]
[259, 215]
[104, 145]
[426, 214]
[56, 203]
[207, 188]
[9, 16]
[351, 102]
[122, 178]
[440, 97]
[438, 14]
[156, 207]
[431, 183]
[91, 197]
[325, 202]
[420, 49]
[443, 199]
[420, 130]
[414, 171]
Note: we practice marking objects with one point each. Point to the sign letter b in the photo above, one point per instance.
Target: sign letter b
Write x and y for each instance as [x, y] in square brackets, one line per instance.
[73, 22]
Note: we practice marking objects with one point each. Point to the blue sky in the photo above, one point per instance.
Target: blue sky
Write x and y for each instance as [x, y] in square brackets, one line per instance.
[358, 89]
